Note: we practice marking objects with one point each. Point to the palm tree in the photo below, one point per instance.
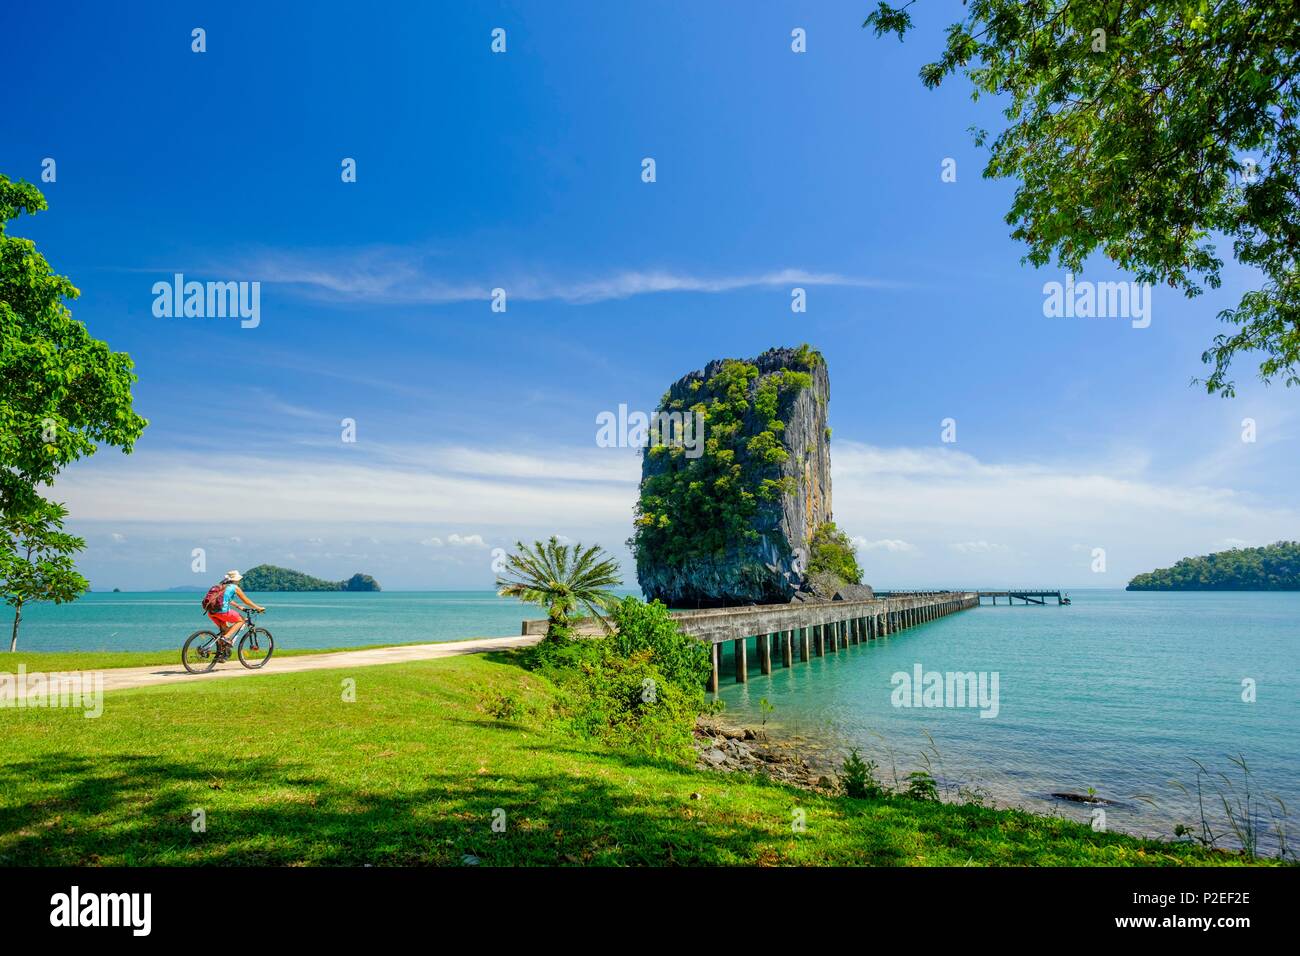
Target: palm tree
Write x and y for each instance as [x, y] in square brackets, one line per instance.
[561, 578]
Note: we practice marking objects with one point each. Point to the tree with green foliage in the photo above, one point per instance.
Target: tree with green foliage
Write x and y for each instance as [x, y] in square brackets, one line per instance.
[1275, 567]
[564, 579]
[61, 391]
[1140, 131]
[36, 561]
[62, 394]
[831, 552]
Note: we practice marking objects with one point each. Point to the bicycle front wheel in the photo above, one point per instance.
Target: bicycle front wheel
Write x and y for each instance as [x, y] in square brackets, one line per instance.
[199, 654]
[256, 648]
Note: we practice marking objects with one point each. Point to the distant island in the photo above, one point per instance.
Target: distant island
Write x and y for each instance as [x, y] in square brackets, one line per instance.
[267, 577]
[1275, 567]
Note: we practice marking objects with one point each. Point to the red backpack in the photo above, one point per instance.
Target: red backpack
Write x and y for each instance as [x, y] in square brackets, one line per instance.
[212, 600]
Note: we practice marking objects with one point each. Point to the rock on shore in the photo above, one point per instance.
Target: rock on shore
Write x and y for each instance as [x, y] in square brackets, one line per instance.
[731, 749]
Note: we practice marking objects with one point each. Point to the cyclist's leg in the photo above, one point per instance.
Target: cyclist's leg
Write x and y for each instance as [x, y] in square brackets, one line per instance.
[226, 628]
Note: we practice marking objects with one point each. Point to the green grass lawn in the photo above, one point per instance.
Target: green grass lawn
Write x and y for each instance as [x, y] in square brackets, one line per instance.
[413, 771]
[52, 661]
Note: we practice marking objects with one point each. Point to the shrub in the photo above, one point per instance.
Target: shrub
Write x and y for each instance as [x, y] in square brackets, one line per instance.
[554, 659]
[680, 658]
[503, 705]
[858, 776]
[921, 785]
[641, 688]
[627, 703]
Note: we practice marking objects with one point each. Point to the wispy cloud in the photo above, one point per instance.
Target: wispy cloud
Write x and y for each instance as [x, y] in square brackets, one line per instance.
[397, 277]
[977, 547]
[896, 545]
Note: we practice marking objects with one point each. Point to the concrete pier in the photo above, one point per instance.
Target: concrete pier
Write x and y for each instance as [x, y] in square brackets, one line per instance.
[815, 629]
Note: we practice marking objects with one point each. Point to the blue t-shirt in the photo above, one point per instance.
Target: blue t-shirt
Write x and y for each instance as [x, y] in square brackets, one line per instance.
[226, 597]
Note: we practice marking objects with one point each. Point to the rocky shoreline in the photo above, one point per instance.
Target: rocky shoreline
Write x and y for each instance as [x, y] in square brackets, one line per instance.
[729, 749]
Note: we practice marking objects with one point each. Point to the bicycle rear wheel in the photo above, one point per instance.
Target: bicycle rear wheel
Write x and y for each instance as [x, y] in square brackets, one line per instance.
[256, 648]
[199, 654]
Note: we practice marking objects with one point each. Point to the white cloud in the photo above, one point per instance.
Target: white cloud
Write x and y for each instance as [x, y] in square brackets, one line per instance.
[467, 541]
[1021, 520]
[434, 542]
[578, 487]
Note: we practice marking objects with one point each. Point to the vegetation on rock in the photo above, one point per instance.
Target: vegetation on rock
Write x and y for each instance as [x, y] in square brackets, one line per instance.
[722, 508]
[833, 553]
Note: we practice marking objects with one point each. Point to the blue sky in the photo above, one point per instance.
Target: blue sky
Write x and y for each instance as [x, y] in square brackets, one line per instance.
[522, 171]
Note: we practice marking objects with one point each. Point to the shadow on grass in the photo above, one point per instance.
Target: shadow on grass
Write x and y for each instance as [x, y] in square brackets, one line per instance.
[138, 809]
[512, 657]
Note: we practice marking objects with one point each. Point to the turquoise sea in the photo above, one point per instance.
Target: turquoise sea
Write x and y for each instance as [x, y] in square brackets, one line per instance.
[146, 621]
[1119, 692]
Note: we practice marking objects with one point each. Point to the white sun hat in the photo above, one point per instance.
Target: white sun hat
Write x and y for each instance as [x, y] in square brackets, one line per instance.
[234, 576]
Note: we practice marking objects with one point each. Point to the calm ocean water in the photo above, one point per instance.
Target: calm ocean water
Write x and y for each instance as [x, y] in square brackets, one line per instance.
[149, 621]
[1116, 692]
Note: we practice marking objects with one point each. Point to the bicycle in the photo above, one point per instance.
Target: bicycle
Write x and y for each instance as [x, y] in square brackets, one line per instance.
[202, 650]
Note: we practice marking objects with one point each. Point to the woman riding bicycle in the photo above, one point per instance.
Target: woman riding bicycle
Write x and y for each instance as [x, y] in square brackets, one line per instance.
[228, 619]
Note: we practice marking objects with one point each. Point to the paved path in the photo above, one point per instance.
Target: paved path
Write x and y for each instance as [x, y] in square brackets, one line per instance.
[121, 678]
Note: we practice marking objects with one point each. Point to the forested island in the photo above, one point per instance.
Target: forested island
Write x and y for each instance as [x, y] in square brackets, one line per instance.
[1274, 567]
[268, 577]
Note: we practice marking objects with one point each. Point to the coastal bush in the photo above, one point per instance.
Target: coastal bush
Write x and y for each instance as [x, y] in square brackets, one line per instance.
[858, 777]
[503, 705]
[681, 658]
[556, 659]
[640, 688]
[921, 785]
[627, 703]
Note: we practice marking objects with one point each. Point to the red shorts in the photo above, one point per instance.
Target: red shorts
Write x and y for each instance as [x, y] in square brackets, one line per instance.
[225, 617]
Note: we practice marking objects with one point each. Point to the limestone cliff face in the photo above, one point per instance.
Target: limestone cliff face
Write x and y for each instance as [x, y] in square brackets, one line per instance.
[692, 550]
